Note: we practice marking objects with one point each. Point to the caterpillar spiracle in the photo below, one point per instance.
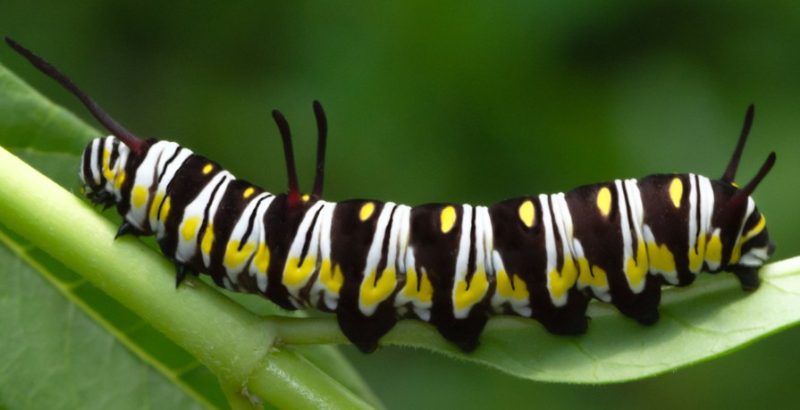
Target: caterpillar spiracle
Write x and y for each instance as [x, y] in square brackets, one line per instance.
[373, 263]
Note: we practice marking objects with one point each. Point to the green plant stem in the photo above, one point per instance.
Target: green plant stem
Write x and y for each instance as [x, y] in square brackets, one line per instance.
[232, 342]
[296, 383]
[236, 399]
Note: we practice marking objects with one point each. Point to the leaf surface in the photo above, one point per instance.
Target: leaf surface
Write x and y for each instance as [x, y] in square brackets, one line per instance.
[698, 323]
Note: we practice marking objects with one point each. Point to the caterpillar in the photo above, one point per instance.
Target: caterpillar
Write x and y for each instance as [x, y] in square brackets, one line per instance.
[373, 263]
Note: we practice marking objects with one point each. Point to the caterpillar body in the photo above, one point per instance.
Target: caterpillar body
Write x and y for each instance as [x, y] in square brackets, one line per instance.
[452, 265]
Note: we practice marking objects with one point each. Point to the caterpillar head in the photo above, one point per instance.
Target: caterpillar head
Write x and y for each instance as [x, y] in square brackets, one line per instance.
[103, 171]
[746, 244]
[104, 161]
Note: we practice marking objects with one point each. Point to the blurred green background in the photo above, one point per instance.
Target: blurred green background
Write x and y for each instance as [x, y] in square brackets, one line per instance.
[461, 102]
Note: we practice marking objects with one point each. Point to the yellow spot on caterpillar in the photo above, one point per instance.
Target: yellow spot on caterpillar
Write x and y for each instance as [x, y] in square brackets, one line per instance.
[518, 290]
[636, 267]
[661, 259]
[306, 197]
[714, 250]
[410, 288]
[560, 282]
[155, 204]
[248, 192]
[448, 218]
[604, 201]
[109, 176]
[297, 274]
[676, 191]
[189, 228]
[600, 277]
[331, 278]
[584, 273]
[414, 289]
[207, 169]
[366, 211]
[106, 165]
[468, 295]
[527, 214]
[119, 180]
[697, 254]
[165, 209]
[208, 240]
[139, 196]
[261, 260]
[235, 257]
[595, 276]
[374, 292]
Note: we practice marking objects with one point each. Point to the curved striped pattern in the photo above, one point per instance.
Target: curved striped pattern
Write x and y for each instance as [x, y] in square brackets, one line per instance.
[542, 256]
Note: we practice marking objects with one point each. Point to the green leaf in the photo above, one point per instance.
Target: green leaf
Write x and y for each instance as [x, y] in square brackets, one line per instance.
[56, 141]
[698, 323]
[55, 356]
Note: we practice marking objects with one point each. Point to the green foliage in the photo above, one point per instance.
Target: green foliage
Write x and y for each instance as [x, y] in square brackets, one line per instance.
[46, 217]
[244, 350]
[710, 318]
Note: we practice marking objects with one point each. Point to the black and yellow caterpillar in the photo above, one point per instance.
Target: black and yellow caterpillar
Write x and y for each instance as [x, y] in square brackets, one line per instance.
[373, 263]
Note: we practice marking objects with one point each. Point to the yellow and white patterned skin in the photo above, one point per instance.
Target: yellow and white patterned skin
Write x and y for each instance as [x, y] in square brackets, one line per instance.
[196, 229]
[260, 262]
[247, 250]
[377, 285]
[170, 161]
[330, 278]
[394, 276]
[440, 263]
[511, 290]
[417, 290]
[142, 197]
[559, 281]
[106, 160]
[471, 287]
[635, 255]
[300, 267]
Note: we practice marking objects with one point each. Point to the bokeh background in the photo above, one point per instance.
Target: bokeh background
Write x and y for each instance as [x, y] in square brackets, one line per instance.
[471, 102]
